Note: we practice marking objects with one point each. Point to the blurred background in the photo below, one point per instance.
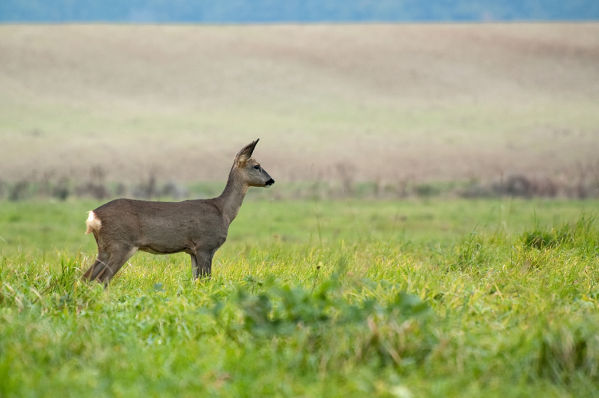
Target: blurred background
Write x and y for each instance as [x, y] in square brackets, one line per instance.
[372, 99]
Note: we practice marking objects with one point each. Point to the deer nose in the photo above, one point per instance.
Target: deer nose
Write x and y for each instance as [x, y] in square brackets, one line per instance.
[269, 182]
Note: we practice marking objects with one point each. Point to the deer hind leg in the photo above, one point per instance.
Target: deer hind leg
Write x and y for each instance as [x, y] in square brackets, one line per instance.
[118, 256]
[97, 266]
[109, 262]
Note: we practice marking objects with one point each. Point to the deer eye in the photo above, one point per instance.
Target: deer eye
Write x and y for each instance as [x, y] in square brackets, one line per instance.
[257, 167]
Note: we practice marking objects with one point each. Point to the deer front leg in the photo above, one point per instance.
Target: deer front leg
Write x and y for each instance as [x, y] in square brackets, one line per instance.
[201, 263]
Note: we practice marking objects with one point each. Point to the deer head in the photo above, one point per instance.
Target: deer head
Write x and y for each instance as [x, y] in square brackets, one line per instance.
[249, 170]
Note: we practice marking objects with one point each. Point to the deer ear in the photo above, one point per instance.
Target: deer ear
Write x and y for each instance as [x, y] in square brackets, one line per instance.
[246, 152]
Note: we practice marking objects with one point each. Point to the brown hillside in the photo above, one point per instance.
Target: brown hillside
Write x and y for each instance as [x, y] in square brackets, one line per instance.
[384, 101]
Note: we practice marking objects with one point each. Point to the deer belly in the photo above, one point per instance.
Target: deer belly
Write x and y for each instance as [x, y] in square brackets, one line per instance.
[162, 250]
[163, 241]
[184, 236]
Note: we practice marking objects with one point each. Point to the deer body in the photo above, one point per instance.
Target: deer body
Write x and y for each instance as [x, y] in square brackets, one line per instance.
[197, 227]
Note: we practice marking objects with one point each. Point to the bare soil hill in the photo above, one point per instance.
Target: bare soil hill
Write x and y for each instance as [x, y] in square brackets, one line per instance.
[379, 102]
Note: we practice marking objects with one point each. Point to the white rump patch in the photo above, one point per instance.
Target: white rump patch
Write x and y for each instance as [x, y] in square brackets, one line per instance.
[93, 223]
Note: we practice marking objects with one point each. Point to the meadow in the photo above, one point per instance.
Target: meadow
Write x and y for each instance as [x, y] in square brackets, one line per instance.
[320, 290]
[408, 298]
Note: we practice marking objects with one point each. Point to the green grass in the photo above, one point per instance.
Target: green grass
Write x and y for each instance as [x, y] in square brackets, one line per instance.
[347, 298]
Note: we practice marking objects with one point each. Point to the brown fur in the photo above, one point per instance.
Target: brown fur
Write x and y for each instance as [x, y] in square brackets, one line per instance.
[197, 227]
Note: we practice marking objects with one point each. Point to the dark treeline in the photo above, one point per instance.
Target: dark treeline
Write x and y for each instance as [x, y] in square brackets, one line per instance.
[152, 187]
[265, 11]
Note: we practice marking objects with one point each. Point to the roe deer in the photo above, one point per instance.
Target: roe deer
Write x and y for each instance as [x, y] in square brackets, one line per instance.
[197, 227]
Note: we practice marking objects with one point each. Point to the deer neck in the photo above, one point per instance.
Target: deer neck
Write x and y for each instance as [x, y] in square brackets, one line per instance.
[232, 196]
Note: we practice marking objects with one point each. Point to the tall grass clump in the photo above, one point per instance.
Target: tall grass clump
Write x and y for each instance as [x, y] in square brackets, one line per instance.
[581, 235]
[570, 350]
